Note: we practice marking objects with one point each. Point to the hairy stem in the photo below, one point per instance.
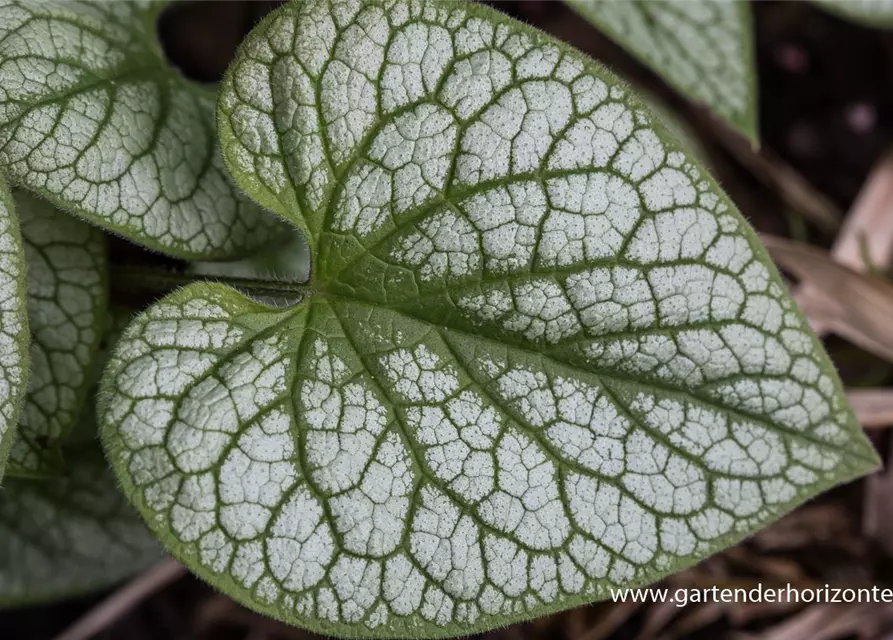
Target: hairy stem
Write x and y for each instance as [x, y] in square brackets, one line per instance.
[128, 279]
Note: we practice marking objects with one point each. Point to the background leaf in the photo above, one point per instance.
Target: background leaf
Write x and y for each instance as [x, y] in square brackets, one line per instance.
[541, 354]
[872, 13]
[73, 533]
[67, 305]
[704, 49]
[68, 536]
[289, 261]
[93, 118]
[13, 324]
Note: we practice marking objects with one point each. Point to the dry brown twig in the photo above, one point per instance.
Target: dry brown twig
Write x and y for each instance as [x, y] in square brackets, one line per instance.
[865, 240]
[852, 304]
[838, 296]
[873, 407]
[113, 608]
[868, 228]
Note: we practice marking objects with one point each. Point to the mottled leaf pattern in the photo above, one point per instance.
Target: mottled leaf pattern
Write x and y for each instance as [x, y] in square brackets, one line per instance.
[13, 324]
[873, 13]
[93, 118]
[68, 536]
[541, 354]
[67, 301]
[703, 48]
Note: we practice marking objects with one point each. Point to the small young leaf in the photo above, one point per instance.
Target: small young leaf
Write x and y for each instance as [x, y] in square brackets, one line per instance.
[68, 536]
[703, 48]
[13, 324]
[93, 118]
[67, 301]
[872, 13]
[540, 353]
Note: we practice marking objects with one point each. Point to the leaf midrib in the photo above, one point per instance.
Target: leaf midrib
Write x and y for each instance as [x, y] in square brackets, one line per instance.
[739, 414]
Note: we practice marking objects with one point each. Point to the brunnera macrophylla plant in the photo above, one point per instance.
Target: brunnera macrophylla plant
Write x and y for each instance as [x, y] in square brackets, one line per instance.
[65, 303]
[67, 307]
[539, 353]
[73, 532]
[704, 48]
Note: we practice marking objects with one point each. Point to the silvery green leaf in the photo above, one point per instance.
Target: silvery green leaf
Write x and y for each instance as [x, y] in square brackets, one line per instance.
[67, 301]
[93, 118]
[68, 536]
[13, 324]
[541, 354]
[872, 13]
[702, 48]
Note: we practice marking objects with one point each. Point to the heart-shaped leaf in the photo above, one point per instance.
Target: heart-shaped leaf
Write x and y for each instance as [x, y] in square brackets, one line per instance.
[872, 13]
[93, 118]
[704, 49]
[540, 354]
[13, 324]
[67, 304]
